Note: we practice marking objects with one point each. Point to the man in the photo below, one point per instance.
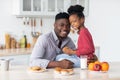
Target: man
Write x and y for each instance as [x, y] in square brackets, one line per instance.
[49, 45]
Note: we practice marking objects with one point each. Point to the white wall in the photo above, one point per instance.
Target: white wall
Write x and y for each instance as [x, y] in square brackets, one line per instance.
[103, 23]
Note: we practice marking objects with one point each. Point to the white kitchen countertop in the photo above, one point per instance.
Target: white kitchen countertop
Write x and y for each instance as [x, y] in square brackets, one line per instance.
[21, 73]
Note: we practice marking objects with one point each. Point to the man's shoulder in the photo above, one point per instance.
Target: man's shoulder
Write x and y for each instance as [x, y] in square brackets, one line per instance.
[68, 38]
[45, 36]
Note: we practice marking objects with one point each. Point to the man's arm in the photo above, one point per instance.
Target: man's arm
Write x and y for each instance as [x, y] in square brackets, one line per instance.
[37, 56]
[66, 64]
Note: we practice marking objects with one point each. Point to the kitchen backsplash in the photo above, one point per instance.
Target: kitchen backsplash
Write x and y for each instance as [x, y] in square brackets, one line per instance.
[31, 27]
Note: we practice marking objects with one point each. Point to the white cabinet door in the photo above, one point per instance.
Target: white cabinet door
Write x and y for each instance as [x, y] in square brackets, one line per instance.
[22, 7]
[84, 3]
[44, 7]
[18, 59]
[33, 7]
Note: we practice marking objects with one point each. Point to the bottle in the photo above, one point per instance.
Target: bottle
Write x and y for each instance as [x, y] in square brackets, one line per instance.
[23, 42]
[7, 41]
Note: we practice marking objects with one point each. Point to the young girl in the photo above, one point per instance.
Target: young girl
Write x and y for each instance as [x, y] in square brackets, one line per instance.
[85, 41]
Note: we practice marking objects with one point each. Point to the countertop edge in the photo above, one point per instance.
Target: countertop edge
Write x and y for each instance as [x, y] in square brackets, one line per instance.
[13, 52]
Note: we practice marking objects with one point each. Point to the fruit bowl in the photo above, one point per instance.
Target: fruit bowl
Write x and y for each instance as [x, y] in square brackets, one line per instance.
[98, 66]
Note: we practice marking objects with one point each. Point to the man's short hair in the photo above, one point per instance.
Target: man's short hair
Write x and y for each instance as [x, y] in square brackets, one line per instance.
[62, 15]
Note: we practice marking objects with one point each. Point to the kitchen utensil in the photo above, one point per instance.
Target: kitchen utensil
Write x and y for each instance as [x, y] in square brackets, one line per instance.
[4, 64]
[27, 20]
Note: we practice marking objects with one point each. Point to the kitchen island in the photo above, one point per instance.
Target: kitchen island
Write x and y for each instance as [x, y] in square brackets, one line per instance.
[18, 56]
[20, 72]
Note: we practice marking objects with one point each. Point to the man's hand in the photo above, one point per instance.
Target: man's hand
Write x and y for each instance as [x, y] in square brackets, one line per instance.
[67, 50]
[66, 64]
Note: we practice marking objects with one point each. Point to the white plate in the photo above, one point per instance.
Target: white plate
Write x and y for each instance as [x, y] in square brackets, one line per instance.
[63, 73]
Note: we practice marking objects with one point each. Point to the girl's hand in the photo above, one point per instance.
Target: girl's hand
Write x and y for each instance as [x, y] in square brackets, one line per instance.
[67, 50]
[93, 59]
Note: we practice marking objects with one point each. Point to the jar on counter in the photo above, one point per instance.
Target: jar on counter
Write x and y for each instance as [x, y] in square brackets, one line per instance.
[13, 43]
[17, 44]
[7, 41]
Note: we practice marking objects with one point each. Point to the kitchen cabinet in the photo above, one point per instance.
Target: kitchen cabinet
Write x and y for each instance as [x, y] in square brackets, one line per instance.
[18, 59]
[44, 7]
[20, 56]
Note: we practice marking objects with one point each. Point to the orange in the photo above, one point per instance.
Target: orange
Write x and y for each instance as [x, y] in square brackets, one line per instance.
[105, 66]
[91, 66]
